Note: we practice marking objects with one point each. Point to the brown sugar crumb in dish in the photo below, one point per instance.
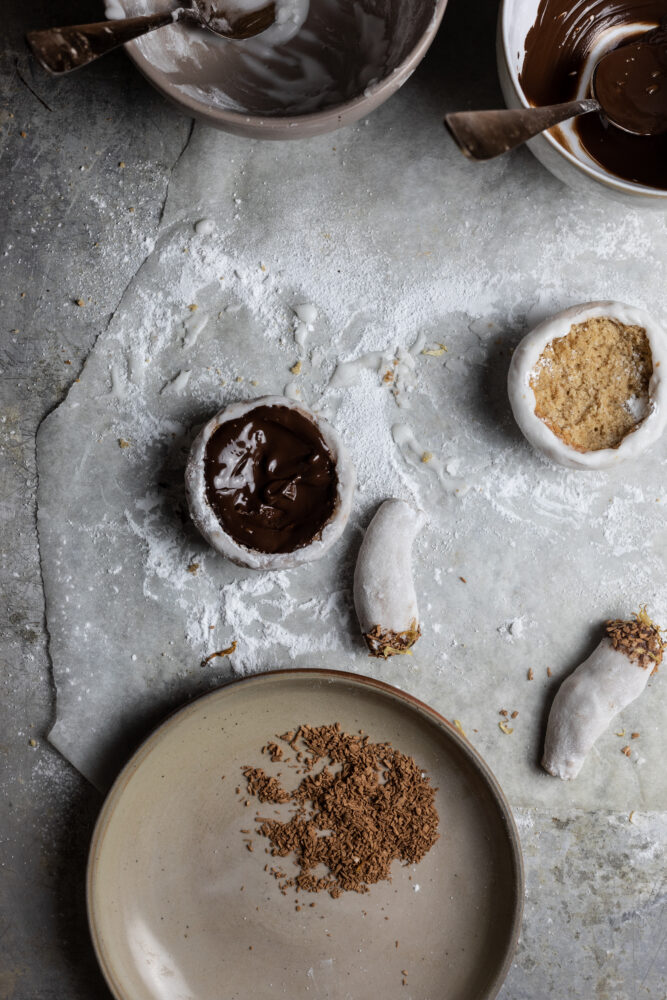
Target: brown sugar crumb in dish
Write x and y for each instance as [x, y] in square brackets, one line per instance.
[591, 386]
[270, 479]
[360, 807]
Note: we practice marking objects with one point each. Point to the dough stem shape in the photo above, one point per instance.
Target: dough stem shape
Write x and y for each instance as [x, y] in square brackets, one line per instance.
[384, 590]
[615, 673]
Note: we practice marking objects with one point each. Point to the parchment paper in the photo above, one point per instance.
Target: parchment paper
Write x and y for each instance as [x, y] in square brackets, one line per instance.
[390, 235]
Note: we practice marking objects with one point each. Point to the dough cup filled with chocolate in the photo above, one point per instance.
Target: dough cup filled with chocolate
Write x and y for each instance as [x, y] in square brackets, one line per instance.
[269, 484]
[587, 387]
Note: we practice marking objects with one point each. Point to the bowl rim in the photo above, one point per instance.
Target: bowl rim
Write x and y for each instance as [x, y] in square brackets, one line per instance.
[596, 173]
[305, 125]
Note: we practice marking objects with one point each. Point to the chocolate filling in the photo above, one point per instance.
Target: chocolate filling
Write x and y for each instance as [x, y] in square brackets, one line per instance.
[270, 479]
[557, 46]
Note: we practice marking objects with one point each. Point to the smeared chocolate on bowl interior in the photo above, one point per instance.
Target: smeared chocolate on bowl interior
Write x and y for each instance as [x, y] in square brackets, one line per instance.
[270, 479]
[557, 47]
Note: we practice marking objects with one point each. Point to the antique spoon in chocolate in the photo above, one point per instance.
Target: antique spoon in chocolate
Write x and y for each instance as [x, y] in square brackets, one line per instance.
[629, 86]
[60, 50]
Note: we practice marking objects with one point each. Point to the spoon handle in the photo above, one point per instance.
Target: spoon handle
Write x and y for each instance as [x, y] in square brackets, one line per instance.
[60, 50]
[481, 135]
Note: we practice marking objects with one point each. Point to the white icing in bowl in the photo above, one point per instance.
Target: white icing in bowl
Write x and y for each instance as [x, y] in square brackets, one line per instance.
[522, 397]
[323, 64]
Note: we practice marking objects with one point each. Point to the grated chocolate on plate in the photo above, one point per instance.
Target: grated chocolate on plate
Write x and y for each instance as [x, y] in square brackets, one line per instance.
[367, 806]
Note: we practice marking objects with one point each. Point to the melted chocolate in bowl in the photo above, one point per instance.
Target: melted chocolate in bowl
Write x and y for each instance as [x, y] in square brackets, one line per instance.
[631, 84]
[270, 479]
[557, 49]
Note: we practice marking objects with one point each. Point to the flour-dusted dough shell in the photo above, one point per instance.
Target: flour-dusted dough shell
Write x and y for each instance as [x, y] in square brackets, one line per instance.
[210, 527]
[586, 703]
[522, 397]
[384, 592]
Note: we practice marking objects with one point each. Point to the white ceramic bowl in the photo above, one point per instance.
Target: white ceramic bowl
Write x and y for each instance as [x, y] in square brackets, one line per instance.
[330, 74]
[206, 520]
[522, 397]
[575, 167]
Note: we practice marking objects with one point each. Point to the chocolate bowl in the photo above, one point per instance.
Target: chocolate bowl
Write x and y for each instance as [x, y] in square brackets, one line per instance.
[346, 59]
[560, 150]
[269, 484]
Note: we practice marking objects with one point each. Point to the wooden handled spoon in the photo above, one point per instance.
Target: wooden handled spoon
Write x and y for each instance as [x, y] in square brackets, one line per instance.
[61, 50]
[629, 87]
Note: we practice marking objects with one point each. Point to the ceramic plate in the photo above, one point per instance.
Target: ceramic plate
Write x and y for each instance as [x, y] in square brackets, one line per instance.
[180, 909]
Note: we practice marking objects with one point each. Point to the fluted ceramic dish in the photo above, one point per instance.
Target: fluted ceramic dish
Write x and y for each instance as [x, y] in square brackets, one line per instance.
[179, 908]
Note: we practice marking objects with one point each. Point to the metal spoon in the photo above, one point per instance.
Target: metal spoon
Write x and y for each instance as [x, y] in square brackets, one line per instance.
[60, 50]
[481, 135]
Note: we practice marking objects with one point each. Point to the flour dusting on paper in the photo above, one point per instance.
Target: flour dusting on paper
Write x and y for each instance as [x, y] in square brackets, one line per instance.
[136, 600]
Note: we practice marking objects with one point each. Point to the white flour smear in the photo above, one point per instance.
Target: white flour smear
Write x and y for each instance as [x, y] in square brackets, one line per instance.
[520, 562]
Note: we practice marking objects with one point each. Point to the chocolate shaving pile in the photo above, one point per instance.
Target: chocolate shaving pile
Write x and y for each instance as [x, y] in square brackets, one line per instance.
[639, 639]
[349, 824]
[274, 751]
[266, 789]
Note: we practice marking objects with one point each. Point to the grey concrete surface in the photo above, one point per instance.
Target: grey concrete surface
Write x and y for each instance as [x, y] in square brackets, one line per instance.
[595, 918]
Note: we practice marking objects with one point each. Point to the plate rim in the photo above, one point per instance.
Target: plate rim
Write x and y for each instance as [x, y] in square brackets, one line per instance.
[157, 734]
